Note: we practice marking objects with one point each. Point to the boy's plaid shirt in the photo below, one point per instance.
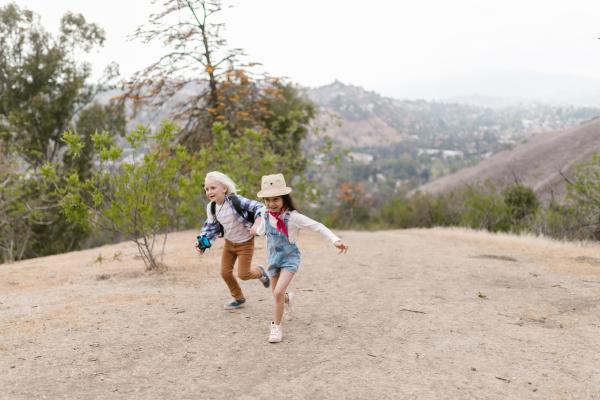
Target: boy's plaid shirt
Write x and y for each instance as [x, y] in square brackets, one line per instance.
[211, 229]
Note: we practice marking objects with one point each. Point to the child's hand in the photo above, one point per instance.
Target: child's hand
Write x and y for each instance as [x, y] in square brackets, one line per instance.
[341, 246]
[198, 250]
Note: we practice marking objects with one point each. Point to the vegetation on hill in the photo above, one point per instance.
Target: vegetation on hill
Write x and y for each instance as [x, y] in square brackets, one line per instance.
[511, 208]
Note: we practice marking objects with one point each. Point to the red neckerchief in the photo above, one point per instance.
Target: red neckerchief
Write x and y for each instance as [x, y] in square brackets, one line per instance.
[280, 222]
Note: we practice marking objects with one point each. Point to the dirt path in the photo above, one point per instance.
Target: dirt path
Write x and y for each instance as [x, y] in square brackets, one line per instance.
[415, 314]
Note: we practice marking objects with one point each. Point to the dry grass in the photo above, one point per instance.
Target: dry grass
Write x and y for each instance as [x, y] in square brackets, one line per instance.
[573, 257]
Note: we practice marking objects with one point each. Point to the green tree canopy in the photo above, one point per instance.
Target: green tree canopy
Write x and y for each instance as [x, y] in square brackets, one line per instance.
[44, 91]
[42, 83]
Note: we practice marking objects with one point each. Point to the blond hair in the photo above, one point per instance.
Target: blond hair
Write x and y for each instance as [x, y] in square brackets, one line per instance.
[222, 179]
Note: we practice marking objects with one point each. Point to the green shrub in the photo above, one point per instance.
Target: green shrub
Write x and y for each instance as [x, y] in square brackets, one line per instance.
[485, 209]
[521, 203]
[557, 221]
[135, 198]
[584, 193]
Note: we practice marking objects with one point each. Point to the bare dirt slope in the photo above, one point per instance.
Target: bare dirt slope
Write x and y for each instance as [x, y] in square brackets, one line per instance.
[537, 163]
[415, 314]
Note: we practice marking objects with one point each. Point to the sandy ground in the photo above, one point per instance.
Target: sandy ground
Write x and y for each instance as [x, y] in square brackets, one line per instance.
[414, 314]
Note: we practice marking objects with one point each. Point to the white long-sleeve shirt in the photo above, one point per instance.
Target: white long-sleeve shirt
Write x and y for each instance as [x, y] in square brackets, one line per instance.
[296, 222]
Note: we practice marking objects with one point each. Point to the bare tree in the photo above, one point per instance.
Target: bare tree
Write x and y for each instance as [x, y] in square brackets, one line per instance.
[196, 59]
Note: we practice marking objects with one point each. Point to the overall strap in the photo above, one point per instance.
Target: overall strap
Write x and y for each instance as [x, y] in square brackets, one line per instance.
[267, 223]
[286, 219]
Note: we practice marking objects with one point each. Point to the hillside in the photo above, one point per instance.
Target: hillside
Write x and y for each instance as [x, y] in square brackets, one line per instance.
[537, 162]
[399, 145]
[367, 119]
[405, 314]
[405, 143]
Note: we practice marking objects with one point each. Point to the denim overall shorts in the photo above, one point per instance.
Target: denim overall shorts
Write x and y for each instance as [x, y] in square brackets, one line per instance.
[282, 253]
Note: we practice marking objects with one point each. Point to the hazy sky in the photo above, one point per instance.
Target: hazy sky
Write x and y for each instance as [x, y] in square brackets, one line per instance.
[425, 48]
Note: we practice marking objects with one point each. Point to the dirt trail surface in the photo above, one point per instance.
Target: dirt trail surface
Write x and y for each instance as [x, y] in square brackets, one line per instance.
[414, 314]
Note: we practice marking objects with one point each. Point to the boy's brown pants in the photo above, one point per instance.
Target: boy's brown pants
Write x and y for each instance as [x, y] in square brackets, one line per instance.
[243, 253]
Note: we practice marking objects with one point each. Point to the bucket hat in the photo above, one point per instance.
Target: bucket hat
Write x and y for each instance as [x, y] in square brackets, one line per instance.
[273, 186]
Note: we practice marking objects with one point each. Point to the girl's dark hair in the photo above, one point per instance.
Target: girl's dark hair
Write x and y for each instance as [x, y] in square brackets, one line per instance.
[288, 202]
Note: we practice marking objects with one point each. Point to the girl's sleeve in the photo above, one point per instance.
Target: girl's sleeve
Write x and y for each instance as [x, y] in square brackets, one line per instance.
[303, 222]
[210, 228]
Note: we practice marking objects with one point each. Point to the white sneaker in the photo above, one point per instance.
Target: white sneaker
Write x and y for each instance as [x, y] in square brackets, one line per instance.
[288, 307]
[276, 335]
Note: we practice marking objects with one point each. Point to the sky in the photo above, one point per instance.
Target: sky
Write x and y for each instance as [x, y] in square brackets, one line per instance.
[404, 49]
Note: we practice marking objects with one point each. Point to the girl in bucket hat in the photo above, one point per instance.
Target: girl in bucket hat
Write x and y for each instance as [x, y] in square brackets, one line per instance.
[282, 223]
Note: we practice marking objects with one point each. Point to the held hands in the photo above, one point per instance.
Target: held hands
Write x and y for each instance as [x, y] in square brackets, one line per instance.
[254, 229]
[341, 246]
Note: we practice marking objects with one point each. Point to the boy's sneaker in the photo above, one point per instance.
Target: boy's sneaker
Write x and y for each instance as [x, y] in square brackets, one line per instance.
[288, 307]
[239, 303]
[264, 278]
[276, 334]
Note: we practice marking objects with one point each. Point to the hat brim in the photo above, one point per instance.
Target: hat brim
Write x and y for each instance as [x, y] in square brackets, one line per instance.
[274, 192]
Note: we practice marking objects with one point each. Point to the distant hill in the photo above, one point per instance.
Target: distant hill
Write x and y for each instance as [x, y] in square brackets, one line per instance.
[405, 143]
[364, 118]
[355, 117]
[491, 101]
[358, 118]
[537, 162]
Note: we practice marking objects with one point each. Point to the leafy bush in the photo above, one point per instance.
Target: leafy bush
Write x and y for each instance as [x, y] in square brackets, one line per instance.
[136, 198]
[477, 207]
[557, 221]
[521, 203]
[485, 209]
[31, 223]
[584, 193]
